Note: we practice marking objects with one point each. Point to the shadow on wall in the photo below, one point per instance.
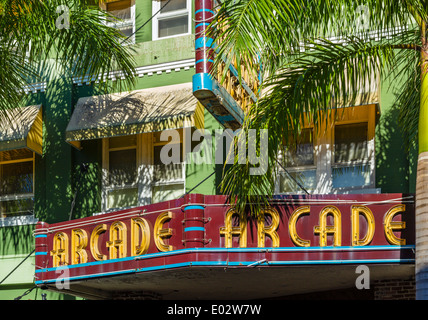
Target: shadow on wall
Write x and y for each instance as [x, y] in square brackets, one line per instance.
[395, 165]
[85, 185]
[59, 171]
[86, 180]
[16, 240]
[52, 183]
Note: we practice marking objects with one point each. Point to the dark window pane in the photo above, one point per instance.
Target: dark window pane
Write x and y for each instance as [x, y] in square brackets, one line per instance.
[350, 142]
[126, 32]
[173, 5]
[123, 142]
[171, 171]
[123, 167]
[173, 26]
[170, 150]
[16, 178]
[301, 151]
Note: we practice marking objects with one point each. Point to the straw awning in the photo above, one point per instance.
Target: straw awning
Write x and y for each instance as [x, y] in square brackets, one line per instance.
[22, 127]
[140, 111]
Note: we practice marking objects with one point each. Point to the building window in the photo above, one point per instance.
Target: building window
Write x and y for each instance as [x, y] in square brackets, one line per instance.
[124, 10]
[340, 159]
[168, 179]
[351, 166]
[173, 19]
[134, 174]
[122, 187]
[16, 183]
[299, 159]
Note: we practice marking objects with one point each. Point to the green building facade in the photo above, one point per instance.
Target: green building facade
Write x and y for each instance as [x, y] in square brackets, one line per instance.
[68, 181]
[73, 176]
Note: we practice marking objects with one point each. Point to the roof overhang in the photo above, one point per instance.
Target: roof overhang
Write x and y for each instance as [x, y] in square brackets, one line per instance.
[140, 111]
[22, 127]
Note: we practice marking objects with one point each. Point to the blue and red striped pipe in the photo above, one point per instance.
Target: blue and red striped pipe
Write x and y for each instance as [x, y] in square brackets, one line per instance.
[203, 45]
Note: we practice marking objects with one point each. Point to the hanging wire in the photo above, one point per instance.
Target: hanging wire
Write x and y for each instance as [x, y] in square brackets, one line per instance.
[292, 178]
[198, 185]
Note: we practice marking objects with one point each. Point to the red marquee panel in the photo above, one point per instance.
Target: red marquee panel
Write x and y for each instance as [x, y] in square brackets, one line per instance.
[205, 231]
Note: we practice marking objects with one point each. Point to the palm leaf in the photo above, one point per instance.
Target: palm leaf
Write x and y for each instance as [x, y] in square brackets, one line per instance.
[312, 86]
[88, 48]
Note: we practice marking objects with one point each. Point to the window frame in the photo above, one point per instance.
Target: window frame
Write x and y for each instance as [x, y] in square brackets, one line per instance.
[183, 166]
[145, 145]
[368, 161]
[156, 6]
[299, 168]
[19, 196]
[324, 153]
[126, 24]
[307, 128]
[107, 186]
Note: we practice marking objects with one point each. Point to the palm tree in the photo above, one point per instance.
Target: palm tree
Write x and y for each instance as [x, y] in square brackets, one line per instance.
[315, 54]
[73, 33]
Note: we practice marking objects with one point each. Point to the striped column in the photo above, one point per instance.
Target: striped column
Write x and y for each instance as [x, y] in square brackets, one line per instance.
[203, 45]
[194, 221]
[41, 253]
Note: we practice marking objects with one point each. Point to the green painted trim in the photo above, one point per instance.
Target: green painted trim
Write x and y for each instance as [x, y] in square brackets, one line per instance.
[23, 274]
[164, 50]
[196, 173]
[143, 12]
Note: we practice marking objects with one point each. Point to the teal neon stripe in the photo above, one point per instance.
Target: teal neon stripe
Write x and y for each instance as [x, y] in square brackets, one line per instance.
[202, 24]
[202, 10]
[242, 250]
[202, 81]
[203, 60]
[352, 261]
[194, 229]
[204, 42]
[194, 208]
[229, 263]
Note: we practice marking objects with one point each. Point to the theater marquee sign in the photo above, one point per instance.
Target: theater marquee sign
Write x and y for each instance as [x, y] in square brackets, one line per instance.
[205, 231]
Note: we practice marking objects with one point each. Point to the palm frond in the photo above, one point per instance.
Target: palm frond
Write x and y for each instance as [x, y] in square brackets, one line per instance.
[408, 104]
[255, 32]
[89, 47]
[13, 77]
[312, 87]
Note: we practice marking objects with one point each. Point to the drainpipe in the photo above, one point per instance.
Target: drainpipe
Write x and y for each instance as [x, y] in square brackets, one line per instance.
[210, 94]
